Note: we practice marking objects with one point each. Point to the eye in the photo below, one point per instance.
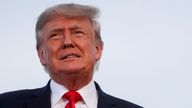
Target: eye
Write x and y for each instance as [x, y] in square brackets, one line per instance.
[55, 36]
[78, 33]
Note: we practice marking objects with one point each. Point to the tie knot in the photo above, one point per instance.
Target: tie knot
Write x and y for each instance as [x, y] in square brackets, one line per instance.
[72, 96]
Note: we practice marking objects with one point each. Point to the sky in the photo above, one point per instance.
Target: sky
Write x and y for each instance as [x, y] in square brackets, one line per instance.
[147, 56]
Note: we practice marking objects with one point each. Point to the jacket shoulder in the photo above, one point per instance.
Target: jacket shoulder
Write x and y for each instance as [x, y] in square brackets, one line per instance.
[108, 101]
[120, 103]
[18, 98]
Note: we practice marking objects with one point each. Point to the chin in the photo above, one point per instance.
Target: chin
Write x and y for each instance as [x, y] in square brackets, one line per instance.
[70, 70]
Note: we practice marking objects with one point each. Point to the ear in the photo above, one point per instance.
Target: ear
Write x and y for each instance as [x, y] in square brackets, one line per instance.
[42, 56]
[99, 50]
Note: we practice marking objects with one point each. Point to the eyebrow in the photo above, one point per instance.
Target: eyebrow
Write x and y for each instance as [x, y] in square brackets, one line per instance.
[55, 30]
[75, 27]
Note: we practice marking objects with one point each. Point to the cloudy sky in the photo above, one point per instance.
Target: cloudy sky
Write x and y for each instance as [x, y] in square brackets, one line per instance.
[147, 56]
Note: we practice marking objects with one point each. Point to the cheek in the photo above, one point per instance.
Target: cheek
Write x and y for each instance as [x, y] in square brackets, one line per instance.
[54, 46]
[91, 50]
[50, 51]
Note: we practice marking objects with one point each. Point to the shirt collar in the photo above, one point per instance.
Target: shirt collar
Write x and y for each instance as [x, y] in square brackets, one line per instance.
[57, 92]
[88, 93]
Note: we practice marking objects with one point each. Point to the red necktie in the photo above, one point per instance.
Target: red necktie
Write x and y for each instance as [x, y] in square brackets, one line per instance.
[72, 97]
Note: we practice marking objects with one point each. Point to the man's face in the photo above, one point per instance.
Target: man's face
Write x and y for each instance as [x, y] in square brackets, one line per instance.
[69, 47]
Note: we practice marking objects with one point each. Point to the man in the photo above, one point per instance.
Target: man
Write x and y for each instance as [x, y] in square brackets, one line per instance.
[69, 47]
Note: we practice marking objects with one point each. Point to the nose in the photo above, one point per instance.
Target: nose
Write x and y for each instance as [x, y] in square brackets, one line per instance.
[67, 41]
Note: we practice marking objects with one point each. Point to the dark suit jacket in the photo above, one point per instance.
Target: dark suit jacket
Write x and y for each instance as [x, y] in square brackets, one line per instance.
[40, 98]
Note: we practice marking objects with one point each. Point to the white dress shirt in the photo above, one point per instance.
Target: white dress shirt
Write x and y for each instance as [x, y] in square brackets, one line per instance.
[88, 93]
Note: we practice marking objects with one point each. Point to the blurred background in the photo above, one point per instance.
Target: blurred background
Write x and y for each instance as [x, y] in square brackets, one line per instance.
[147, 56]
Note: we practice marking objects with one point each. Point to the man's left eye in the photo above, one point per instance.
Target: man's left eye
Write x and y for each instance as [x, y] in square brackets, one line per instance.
[78, 32]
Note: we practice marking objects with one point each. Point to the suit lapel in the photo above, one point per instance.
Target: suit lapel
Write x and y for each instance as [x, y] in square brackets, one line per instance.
[104, 100]
[41, 98]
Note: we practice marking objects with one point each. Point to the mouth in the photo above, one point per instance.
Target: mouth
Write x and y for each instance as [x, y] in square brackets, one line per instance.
[70, 56]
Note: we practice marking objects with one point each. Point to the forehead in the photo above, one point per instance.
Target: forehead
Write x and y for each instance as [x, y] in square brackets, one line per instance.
[67, 23]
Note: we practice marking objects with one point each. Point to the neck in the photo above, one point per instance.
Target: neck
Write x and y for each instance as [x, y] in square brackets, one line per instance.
[73, 82]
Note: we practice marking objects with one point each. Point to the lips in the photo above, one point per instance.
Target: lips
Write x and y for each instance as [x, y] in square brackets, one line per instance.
[70, 56]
